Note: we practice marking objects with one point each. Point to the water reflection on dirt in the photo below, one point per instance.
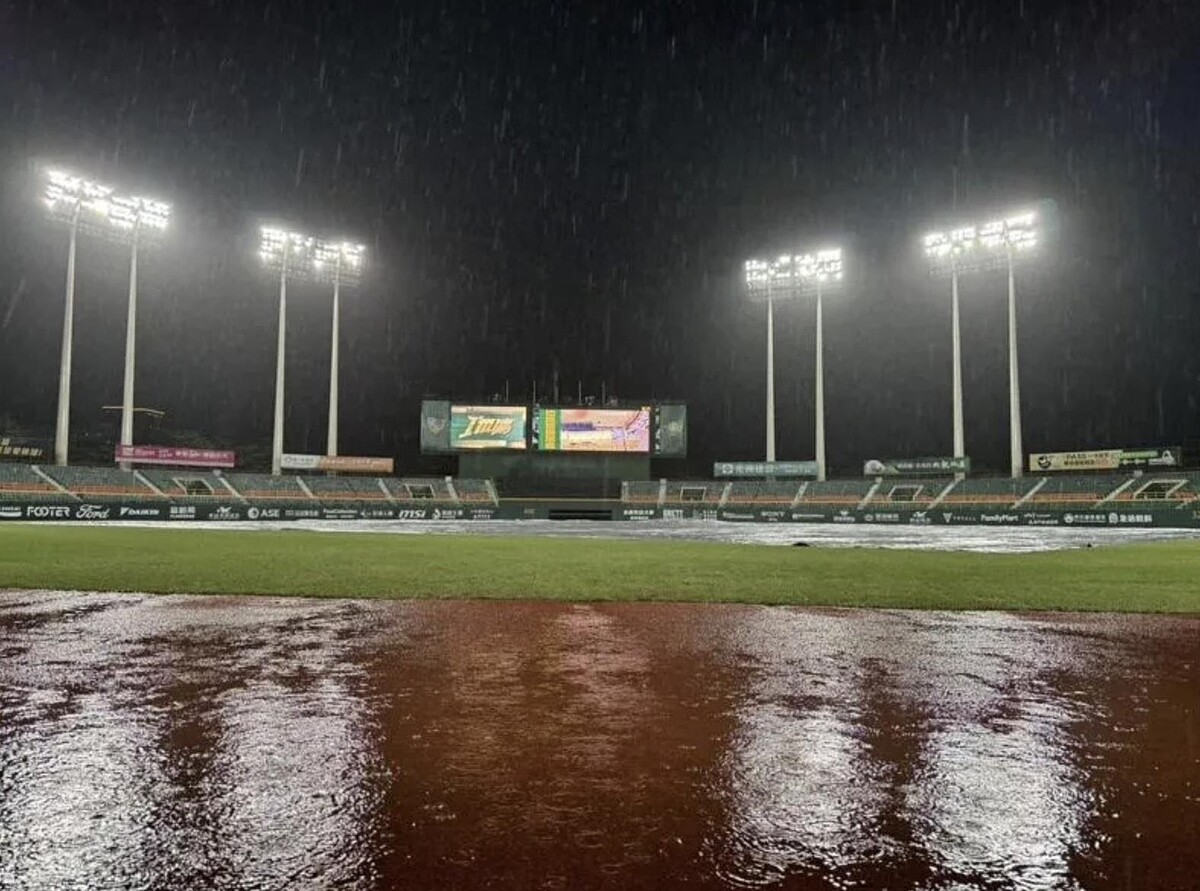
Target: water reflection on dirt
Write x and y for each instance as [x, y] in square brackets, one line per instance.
[150, 742]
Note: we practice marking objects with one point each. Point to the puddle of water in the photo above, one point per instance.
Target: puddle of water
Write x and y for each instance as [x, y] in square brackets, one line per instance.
[151, 742]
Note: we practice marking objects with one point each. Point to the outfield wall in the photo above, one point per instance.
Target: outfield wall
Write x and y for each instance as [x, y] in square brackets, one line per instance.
[1107, 516]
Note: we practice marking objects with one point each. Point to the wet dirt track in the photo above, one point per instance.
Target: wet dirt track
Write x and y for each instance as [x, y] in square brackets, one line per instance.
[184, 742]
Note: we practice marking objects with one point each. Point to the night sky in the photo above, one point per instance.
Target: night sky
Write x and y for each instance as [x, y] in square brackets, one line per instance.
[574, 186]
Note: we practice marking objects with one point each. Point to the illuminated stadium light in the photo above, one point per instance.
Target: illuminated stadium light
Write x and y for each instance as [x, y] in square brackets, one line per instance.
[989, 245]
[791, 276]
[997, 244]
[94, 208]
[308, 258]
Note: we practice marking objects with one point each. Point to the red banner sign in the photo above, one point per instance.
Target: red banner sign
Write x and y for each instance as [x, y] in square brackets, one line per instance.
[177, 457]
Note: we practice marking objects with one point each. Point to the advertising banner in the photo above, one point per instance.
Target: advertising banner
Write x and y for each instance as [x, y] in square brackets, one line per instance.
[916, 466]
[742, 470]
[594, 430]
[1107, 459]
[487, 427]
[20, 449]
[435, 426]
[339, 463]
[178, 457]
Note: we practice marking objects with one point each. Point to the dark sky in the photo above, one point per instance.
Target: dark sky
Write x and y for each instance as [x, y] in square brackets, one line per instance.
[575, 186]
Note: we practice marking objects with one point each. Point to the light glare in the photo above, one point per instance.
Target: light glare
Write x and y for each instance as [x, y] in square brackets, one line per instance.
[975, 247]
[310, 257]
[794, 274]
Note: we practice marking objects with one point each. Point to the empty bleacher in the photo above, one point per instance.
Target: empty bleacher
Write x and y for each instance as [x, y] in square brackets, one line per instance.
[344, 490]
[476, 492]
[995, 492]
[904, 492]
[1076, 491]
[842, 493]
[773, 493]
[262, 488]
[100, 483]
[421, 491]
[646, 491]
[706, 494]
[19, 481]
[182, 487]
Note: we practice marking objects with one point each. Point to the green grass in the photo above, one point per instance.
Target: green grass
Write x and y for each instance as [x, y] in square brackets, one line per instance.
[1134, 578]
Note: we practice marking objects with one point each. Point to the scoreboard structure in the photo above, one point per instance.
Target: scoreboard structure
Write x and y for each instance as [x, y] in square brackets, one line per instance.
[555, 450]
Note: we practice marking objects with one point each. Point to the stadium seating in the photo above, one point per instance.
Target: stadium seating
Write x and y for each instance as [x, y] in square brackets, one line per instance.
[903, 492]
[19, 482]
[646, 491]
[423, 491]
[1076, 491]
[989, 492]
[1161, 489]
[100, 483]
[763, 492]
[842, 493]
[475, 492]
[342, 490]
[262, 487]
[703, 493]
[182, 487]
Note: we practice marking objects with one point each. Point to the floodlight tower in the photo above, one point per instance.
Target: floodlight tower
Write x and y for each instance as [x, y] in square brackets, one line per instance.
[996, 244]
[340, 261]
[307, 258]
[132, 218]
[789, 277]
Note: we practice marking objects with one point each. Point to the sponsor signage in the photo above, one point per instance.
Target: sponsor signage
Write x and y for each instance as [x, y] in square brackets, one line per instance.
[916, 466]
[16, 449]
[754, 469]
[141, 512]
[179, 457]
[1106, 459]
[483, 427]
[338, 463]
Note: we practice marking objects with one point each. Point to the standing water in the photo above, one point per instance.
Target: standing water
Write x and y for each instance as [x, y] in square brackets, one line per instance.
[187, 742]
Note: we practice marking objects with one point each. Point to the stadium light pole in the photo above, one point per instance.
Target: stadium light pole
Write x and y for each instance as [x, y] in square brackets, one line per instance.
[136, 217]
[998, 243]
[341, 261]
[307, 258]
[791, 277]
[68, 197]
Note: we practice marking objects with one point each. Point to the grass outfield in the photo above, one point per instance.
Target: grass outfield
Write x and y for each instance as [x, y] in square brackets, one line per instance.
[1162, 577]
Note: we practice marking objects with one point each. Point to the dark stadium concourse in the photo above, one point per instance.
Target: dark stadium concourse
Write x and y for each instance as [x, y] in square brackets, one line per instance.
[205, 743]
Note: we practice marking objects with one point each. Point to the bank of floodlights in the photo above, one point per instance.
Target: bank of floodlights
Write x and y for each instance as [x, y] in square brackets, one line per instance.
[793, 275]
[309, 258]
[97, 210]
[987, 246]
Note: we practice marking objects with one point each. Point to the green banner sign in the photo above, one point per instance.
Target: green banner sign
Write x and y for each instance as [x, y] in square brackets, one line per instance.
[916, 466]
[741, 470]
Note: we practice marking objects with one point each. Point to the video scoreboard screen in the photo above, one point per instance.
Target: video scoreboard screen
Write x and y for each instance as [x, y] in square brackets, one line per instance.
[487, 427]
[593, 430]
